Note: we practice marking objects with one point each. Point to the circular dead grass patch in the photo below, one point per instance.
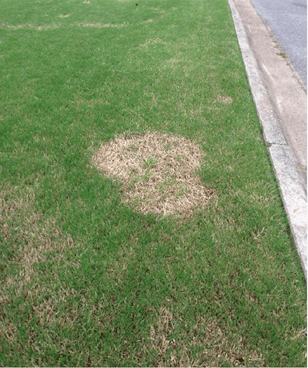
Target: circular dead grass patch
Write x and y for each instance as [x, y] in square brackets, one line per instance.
[157, 172]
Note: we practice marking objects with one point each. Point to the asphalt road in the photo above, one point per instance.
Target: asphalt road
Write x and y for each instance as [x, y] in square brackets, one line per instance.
[288, 21]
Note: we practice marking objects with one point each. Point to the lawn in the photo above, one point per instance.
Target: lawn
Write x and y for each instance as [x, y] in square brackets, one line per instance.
[89, 278]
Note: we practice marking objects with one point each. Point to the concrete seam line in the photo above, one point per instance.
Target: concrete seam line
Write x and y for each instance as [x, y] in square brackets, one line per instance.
[292, 192]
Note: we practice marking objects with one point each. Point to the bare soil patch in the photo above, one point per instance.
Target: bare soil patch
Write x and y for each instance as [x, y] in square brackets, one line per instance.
[158, 172]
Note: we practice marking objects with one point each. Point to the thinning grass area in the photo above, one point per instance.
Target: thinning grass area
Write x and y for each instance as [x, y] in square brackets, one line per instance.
[85, 279]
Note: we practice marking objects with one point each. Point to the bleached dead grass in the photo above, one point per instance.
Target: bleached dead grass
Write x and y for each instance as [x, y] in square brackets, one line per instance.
[158, 172]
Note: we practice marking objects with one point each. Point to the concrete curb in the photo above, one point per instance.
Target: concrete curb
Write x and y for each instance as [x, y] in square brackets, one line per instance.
[292, 191]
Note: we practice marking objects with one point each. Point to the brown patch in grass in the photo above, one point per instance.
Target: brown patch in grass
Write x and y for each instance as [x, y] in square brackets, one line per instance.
[174, 60]
[12, 27]
[153, 41]
[55, 26]
[30, 26]
[148, 21]
[31, 237]
[224, 99]
[8, 329]
[301, 333]
[102, 25]
[48, 310]
[157, 171]
[172, 348]
[159, 335]
[158, 10]
[90, 103]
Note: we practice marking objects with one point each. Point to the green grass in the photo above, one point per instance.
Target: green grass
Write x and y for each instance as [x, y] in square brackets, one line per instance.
[86, 280]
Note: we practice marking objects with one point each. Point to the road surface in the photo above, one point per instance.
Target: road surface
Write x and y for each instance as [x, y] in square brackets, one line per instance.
[288, 21]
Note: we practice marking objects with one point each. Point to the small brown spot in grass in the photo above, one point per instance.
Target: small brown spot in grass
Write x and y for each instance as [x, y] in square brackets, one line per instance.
[148, 21]
[102, 25]
[157, 172]
[224, 99]
[171, 347]
[8, 330]
[153, 41]
[158, 10]
[301, 333]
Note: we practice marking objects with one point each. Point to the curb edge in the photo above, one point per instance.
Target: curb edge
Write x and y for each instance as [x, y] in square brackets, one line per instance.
[293, 194]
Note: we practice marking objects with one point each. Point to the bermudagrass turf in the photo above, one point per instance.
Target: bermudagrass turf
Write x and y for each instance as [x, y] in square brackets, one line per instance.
[85, 279]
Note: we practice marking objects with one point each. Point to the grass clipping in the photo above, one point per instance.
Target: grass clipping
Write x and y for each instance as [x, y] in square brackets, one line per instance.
[157, 171]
